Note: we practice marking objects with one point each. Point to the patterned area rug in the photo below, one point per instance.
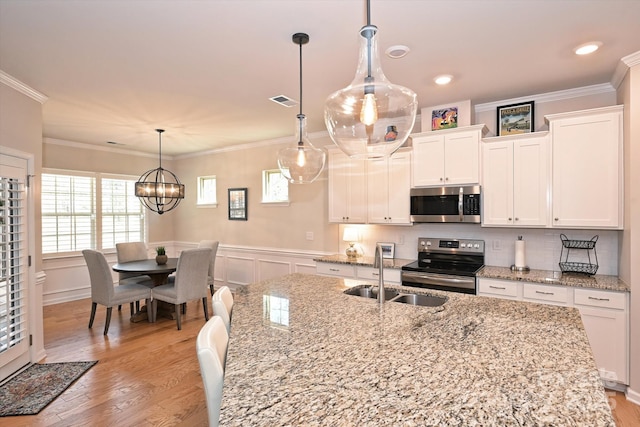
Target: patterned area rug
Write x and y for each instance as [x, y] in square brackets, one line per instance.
[34, 388]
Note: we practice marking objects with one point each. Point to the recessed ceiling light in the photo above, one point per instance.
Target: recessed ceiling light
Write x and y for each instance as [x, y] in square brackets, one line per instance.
[443, 79]
[397, 51]
[587, 48]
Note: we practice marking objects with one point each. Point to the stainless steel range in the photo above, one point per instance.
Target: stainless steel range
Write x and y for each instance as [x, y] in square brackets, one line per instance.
[445, 264]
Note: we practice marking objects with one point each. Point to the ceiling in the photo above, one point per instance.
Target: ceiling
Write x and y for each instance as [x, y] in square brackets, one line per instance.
[204, 70]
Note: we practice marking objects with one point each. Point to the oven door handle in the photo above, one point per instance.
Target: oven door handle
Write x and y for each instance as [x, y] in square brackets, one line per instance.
[438, 279]
[460, 200]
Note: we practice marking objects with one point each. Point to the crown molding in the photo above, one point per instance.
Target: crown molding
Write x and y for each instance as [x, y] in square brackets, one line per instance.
[22, 88]
[108, 149]
[624, 65]
[550, 96]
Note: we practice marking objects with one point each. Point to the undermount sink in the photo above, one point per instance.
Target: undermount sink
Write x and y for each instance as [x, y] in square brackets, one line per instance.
[421, 300]
[394, 296]
[371, 292]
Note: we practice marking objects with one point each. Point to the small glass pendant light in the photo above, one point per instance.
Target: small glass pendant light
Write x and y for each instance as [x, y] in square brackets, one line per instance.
[371, 117]
[303, 163]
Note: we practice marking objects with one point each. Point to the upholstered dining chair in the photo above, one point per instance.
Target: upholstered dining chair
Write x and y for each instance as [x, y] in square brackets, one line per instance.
[103, 290]
[213, 245]
[211, 347]
[222, 302]
[132, 251]
[189, 284]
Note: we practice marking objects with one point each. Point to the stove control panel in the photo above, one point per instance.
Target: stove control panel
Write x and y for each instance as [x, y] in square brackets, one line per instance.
[436, 244]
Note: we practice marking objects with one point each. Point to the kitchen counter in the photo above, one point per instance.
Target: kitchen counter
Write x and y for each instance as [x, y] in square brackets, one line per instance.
[365, 261]
[610, 283]
[302, 352]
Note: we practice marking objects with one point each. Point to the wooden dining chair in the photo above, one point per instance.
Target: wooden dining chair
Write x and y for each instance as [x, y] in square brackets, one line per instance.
[222, 302]
[213, 245]
[103, 290]
[189, 284]
[211, 347]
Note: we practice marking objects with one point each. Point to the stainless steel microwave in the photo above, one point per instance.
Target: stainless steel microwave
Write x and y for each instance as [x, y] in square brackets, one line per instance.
[446, 204]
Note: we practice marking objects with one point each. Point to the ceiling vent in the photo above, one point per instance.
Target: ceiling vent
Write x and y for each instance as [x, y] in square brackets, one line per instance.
[284, 100]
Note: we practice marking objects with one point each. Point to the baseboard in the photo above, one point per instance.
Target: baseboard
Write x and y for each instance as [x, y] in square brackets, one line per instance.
[633, 396]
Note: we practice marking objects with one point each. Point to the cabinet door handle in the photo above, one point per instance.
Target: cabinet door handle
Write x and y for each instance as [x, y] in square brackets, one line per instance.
[544, 293]
[555, 219]
[375, 274]
[497, 287]
[517, 219]
[599, 299]
[333, 269]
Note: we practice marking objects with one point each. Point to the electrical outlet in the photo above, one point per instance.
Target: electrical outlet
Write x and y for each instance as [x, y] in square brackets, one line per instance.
[496, 245]
[309, 235]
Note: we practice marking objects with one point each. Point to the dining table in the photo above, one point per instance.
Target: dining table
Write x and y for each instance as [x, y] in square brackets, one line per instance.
[159, 274]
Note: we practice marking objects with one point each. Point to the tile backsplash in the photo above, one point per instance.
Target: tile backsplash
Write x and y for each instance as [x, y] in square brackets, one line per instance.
[543, 246]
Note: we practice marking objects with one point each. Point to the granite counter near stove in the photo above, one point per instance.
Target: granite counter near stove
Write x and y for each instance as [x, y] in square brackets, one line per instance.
[302, 352]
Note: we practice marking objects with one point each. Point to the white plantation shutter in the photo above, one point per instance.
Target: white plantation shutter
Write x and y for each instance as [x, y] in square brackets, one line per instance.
[122, 213]
[14, 335]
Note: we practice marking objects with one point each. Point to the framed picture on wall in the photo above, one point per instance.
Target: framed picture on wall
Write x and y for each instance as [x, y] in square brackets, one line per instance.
[515, 118]
[238, 204]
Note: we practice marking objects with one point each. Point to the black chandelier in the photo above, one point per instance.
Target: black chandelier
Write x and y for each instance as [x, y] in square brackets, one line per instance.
[159, 189]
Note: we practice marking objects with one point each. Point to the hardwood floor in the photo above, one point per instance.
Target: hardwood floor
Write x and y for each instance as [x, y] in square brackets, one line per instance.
[147, 374]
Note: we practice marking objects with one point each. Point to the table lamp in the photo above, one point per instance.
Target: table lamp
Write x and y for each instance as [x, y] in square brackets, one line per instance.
[350, 236]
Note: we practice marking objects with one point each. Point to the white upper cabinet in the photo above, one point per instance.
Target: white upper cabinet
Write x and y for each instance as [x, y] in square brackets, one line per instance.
[388, 189]
[347, 188]
[447, 157]
[515, 180]
[587, 169]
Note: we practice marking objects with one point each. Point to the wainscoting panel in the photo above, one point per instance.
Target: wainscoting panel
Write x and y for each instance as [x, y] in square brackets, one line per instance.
[236, 266]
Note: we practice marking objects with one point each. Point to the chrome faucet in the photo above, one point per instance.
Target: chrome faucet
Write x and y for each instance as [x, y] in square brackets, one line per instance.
[379, 263]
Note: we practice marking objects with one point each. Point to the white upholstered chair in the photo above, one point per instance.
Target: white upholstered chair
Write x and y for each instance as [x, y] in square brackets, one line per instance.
[103, 290]
[222, 302]
[213, 245]
[211, 347]
[132, 251]
[190, 283]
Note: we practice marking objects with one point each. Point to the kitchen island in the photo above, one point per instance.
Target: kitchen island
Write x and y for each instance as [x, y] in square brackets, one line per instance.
[304, 353]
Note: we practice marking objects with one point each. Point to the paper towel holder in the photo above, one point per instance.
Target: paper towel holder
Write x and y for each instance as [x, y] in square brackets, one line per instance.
[520, 269]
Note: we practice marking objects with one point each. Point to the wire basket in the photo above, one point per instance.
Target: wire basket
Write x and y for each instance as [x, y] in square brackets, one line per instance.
[568, 245]
[578, 267]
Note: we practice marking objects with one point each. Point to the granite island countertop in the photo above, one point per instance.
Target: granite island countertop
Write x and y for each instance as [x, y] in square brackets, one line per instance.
[302, 352]
[599, 281]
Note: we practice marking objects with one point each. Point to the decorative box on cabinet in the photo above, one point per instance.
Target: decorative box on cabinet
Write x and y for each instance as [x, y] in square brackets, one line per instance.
[587, 168]
[447, 157]
[515, 180]
[388, 189]
[347, 189]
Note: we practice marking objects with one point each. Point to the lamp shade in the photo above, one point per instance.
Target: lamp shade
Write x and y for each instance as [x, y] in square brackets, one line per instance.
[350, 235]
[371, 117]
[303, 163]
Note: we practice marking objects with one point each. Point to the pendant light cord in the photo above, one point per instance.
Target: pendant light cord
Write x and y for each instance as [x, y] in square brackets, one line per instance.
[160, 147]
[300, 116]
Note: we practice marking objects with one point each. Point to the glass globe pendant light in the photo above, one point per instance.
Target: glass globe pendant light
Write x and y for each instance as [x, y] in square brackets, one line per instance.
[371, 117]
[303, 163]
[159, 189]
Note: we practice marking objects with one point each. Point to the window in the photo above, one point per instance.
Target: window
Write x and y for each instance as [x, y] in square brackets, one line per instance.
[207, 191]
[89, 211]
[275, 187]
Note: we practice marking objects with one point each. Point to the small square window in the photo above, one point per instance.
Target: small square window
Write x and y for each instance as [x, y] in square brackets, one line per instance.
[207, 191]
[275, 187]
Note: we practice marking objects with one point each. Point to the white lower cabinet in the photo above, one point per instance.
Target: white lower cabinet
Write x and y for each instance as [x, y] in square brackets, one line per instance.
[605, 316]
[335, 269]
[351, 271]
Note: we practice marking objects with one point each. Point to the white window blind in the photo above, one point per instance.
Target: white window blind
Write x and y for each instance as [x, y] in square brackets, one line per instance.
[122, 213]
[89, 211]
[68, 213]
[13, 310]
